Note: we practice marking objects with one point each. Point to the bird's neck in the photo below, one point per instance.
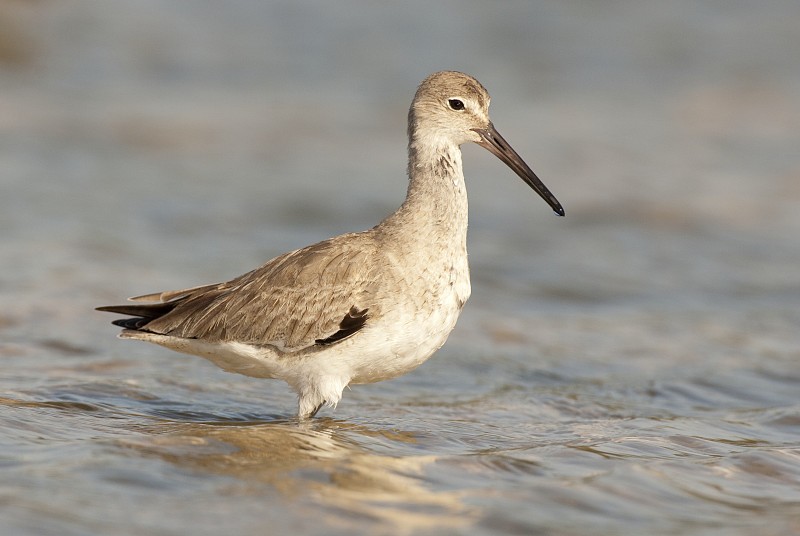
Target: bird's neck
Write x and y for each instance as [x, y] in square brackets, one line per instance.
[437, 197]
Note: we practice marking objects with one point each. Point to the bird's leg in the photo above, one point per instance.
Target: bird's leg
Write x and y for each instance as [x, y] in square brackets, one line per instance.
[311, 415]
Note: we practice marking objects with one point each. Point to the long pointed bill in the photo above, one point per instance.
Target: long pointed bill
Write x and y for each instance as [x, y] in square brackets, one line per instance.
[494, 142]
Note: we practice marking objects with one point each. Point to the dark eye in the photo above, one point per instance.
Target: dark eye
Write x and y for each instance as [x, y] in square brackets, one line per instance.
[456, 104]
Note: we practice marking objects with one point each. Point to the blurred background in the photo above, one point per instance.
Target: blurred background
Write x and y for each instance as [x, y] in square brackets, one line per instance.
[650, 337]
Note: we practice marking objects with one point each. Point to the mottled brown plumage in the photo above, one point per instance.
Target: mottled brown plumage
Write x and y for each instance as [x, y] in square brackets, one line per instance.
[290, 303]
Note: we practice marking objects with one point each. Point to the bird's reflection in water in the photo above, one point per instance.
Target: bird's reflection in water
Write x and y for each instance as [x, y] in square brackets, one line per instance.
[330, 461]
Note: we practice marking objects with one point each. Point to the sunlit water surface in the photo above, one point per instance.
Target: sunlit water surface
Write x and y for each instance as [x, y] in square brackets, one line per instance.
[633, 368]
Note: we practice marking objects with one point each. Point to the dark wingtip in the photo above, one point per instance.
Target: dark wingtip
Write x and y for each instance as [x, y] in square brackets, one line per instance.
[141, 314]
[130, 323]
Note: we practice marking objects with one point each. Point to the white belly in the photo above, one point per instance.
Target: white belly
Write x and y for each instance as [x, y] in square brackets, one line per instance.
[400, 344]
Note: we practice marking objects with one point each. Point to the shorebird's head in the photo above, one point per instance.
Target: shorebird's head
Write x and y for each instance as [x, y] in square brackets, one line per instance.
[453, 108]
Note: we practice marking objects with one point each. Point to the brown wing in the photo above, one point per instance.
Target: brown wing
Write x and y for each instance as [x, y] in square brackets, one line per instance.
[316, 295]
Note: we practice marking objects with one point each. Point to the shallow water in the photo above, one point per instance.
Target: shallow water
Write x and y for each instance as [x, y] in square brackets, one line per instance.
[633, 368]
